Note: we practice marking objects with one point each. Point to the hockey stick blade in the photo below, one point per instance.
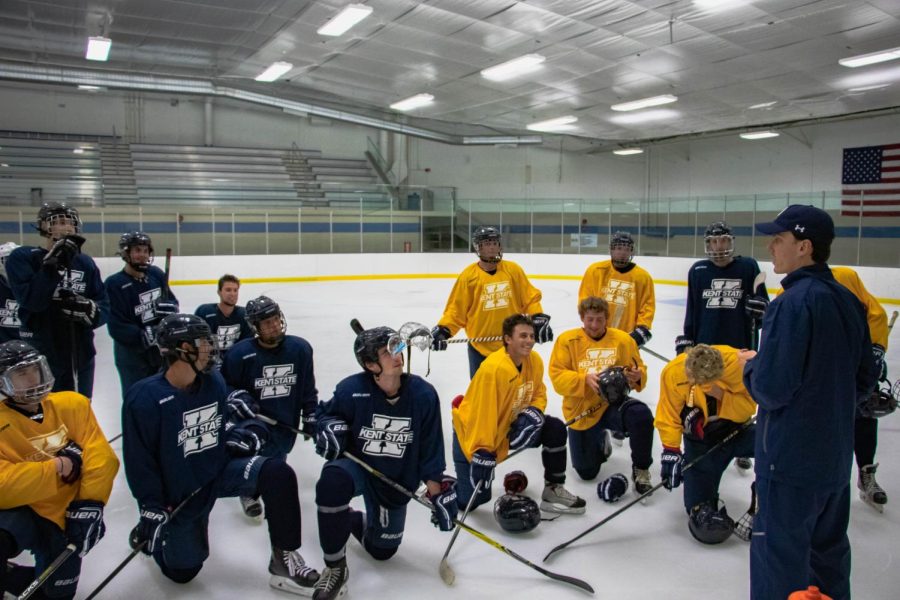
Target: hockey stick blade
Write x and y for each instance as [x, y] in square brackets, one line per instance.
[446, 572]
[356, 327]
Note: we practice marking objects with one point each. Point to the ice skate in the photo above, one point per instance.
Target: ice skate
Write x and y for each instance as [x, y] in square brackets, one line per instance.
[869, 491]
[556, 498]
[252, 508]
[289, 573]
[641, 479]
[333, 582]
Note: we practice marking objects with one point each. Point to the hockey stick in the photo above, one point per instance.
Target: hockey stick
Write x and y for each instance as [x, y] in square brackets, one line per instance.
[50, 570]
[743, 529]
[652, 353]
[448, 575]
[137, 549]
[490, 338]
[718, 445]
[563, 578]
[754, 333]
[893, 320]
[166, 293]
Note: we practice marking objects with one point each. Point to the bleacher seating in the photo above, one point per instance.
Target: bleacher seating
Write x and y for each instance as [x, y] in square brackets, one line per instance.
[63, 171]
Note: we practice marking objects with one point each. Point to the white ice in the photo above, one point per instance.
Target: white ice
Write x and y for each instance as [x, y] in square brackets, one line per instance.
[647, 552]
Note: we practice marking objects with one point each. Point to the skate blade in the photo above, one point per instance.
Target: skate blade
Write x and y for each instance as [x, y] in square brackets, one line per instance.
[878, 507]
[285, 584]
[561, 508]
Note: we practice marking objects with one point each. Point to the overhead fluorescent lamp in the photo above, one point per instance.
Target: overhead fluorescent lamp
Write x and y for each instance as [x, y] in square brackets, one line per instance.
[870, 59]
[557, 124]
[90, 88]
[763, 105]
[645, 116]
[413, 102]
[275, 71]
[344, 20]
[869, 88]
[513, 68]
[98, 48]
[628, 151]
[759, 135]
[78, 151]
[645, 103]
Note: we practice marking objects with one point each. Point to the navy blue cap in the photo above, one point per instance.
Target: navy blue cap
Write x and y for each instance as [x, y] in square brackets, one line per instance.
[805, 221]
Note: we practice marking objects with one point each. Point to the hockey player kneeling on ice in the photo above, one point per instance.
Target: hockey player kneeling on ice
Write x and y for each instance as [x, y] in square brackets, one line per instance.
[392, 421]
[181, 439]
[703, 399]
[57, 471]
[503, 411]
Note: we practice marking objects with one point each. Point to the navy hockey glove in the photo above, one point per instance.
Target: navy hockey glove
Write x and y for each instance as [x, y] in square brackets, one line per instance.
[755, 307]
[880, 365]
[77, 308]
[641, 335]
[84, 524]
[147, 536]
[308, 423]
[439, 337]
[542, 331]
[246, 439]
[164, 308]
[612, 488]
[525, 431]
[241, 405]
[481, 469]
[692, 421]
[73, 452]
[62, 252]
[445, 507]
[682, 343]
[672, 462]
[331, 437]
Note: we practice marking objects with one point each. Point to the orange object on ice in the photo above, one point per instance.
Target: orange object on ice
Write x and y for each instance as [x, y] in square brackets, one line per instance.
[810, 593]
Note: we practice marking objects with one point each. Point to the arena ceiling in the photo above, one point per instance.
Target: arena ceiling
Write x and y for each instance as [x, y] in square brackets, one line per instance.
[732, 64]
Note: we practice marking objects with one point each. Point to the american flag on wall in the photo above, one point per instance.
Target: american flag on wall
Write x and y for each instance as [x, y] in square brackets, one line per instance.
[871, 180]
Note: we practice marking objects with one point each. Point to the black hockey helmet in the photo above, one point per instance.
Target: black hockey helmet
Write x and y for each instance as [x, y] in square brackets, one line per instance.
[621, 239]
[178, 329]
[717, 230]
[709, 525]
[487, 234]
[52, 213]
[128, 241]
[517, 513]
[260, 309]
[370, 341]
[881, 402]
[614, 385]
[25, 377]
[5, 250]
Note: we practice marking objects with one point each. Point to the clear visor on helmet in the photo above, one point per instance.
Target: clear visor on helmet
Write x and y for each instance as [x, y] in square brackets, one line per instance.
[416, 335]
[28, 382]
[719, 246]
[395, 345]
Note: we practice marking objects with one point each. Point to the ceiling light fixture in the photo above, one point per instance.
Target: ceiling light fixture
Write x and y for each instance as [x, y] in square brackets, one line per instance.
[275, 71]
[870, 59]
[628, 151]
[90, 88]
[763, 105]
[645, 116]
[557, 124]
[513, 68]
[98, 48]
[344, 20]
[759, 135]
[413, 102]
[869, 88]
[645, 103]
[78, 151]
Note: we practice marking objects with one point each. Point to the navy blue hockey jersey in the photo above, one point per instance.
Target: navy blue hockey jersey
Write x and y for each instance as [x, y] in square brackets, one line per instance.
[403, 440]
[230, 329]
[9, 313]
[716, 298]
[282, 381]
[132, 302]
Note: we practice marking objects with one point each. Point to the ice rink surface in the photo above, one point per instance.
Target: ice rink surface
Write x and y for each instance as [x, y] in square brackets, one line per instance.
[646, 552]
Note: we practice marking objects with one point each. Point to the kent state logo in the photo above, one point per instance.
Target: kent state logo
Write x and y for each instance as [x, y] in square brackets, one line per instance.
[596, 359]
[723, 293]
[523, 395]
[147, 302]
[228, 335]
[618, 291]
[388, 436]
[73, 280]
[9, 316]
[495, 295]
[48, 444]
[201, 429]
[276, 381]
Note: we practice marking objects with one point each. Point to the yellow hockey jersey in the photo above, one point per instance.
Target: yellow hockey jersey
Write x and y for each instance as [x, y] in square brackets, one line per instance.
[495, 397]
[875, 313]
[480, 301]
[27, 449]
[631, 297]
[575, 355]
[675, 393]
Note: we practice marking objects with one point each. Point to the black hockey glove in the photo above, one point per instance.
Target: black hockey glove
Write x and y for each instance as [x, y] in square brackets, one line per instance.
[481, 469]
[148, 336]
[880, 365]
[682, 343]
[670, 472]
[164, 308]
[62, 252]
[73, 452]
[241, 405]
[641, 335]
[147, 536]
[525, 431]
[439, 337]
[77, 308]
[84, 524]
[308, 423]
[331, 437]
[755, 307]
[246, 439]
[692, 421]
[612, 488]
[542, 331]
[445, 507]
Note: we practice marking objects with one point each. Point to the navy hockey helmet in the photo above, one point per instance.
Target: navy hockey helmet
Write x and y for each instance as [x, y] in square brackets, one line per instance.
[487, 234]
[517, 513]
[369, 342]
[881, 402]
[621, 240]
[614, 385]
[179, 329]
[709, 525]
[25, 377]
[131, 239]
[719, 240]
[5, 250]
[53, 214]
[260, 309]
